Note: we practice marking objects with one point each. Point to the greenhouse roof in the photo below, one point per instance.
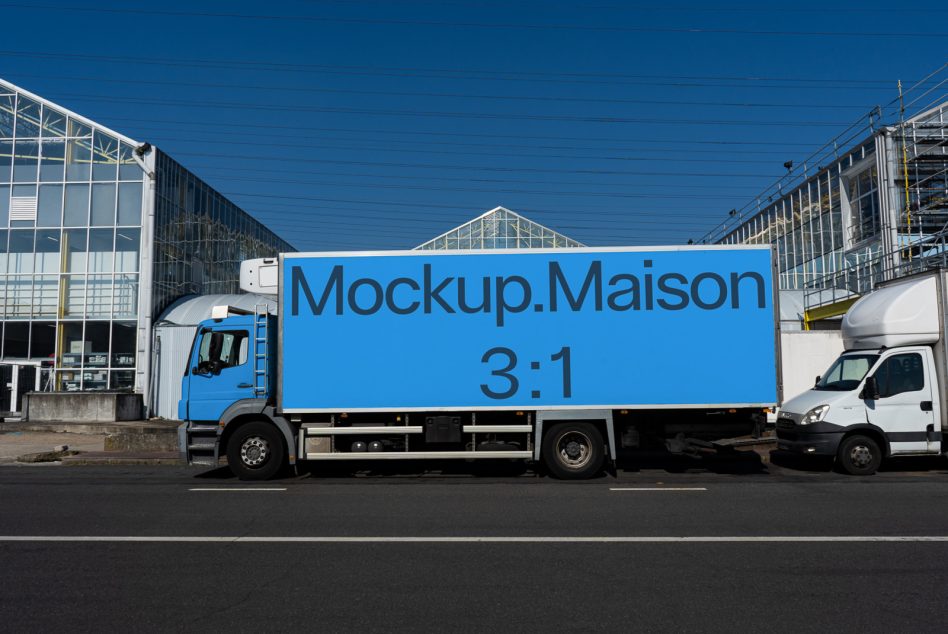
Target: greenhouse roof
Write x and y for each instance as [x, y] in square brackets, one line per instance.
[499, 228]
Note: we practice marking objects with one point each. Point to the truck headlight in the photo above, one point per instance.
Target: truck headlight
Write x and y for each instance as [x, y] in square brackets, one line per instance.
[815, 415]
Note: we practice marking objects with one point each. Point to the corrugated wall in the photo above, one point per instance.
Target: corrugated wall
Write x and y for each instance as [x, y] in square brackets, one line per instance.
[172, 345]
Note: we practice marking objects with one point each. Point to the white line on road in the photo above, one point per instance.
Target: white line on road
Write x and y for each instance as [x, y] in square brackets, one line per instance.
[240, 489]
[330, 539]
[657, 489]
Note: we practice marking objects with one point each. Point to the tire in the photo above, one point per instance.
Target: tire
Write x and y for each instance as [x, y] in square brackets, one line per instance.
[255, 451]
[573, 451]
[859, 455]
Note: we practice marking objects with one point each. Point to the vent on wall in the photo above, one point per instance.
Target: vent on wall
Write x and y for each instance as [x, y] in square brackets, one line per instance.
[23, 208]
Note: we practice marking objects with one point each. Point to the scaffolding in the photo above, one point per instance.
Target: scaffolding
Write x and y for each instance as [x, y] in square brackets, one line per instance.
[868, 206]
[918, 239]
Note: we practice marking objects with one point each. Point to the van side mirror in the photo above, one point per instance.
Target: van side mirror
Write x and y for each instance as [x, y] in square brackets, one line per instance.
[870, 391]
[817, 381]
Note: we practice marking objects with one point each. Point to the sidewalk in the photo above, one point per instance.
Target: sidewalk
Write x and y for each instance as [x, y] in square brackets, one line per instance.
[133, 442]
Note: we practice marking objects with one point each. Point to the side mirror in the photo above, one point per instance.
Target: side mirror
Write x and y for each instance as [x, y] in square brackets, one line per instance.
[817, 381]
[870, 391]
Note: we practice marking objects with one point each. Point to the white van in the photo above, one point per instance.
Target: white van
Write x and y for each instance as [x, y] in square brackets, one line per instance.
[885, 395]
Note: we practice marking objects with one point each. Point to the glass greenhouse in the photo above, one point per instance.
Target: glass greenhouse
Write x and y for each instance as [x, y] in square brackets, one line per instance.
[98, 234]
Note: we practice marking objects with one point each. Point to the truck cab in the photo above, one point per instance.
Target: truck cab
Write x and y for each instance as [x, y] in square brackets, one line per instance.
[219, 370]
[229, 379]
[884, 395]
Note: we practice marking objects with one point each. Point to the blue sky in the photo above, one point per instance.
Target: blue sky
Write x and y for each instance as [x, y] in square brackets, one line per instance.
[360, 124]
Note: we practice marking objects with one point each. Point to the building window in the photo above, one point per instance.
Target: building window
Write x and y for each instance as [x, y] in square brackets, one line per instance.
[860, 194]
[16, 340]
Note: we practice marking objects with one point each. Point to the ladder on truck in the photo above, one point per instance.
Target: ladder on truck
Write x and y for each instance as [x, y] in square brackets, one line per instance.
[261, 349]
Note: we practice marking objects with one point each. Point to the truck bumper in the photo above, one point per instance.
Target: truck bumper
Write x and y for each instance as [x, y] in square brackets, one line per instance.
[809, 443]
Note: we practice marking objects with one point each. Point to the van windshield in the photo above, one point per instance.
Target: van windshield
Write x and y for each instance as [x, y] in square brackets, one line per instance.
[847, 372]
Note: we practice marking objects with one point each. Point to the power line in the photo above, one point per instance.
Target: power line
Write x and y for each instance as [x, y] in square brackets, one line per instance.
[479, 135]
[384, 203]
[532, 192]
[548, 216]
[468, 96]
[646, 9]
[493, 145]
[457, 73]
[204, 167]
[552, 215]
[597, 157]
[349, 221]
[447, 114]
[488, 168]
[571, 214]
[473, 25]
[263, 67]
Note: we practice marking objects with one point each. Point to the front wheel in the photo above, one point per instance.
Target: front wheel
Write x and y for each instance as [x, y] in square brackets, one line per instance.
[859, 455]
[573, 451]
[255, 451]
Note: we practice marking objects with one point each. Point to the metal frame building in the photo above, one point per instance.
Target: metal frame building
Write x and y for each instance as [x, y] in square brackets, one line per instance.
[99, 233]
[870, 205]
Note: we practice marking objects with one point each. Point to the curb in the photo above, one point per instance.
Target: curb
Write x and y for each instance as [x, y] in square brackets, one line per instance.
[133, 437]
[113, 458]
[132, 427]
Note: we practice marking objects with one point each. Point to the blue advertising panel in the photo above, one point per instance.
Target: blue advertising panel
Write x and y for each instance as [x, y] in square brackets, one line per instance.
[527, 329]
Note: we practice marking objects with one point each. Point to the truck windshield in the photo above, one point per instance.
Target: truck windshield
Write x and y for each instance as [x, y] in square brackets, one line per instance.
[846, 372]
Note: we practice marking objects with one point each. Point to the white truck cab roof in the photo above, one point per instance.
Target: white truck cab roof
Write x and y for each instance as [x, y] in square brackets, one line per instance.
[902, 314]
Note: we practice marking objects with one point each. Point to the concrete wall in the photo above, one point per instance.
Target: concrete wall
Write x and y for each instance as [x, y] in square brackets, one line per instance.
[81, 407]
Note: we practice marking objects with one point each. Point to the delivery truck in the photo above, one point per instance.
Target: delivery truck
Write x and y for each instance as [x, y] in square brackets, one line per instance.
[560, 356]
[885, 395]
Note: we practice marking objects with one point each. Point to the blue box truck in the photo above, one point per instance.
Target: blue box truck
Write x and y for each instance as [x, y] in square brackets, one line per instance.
[560, 356]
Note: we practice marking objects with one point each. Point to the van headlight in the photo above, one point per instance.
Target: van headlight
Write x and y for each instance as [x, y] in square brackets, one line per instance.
[815, 415]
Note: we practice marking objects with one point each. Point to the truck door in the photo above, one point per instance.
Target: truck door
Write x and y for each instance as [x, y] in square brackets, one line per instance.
[904, 409]
[220, 373]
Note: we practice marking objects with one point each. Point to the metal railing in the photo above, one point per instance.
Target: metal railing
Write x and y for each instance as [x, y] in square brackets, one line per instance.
[915, 255]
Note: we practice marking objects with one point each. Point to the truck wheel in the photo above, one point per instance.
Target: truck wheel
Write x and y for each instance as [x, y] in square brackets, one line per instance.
[859, 455]
[255, 451]
[573, 451]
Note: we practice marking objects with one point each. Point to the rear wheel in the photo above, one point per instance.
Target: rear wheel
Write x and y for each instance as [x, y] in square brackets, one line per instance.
[859, 455]
[255, 451]
[573, 451]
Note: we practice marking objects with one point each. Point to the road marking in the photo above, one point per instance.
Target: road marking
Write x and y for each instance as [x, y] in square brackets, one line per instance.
[657, 489]
[330, 539]
[240, 489]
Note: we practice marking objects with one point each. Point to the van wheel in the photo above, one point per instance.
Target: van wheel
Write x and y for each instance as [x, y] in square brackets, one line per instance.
[573, 451]
[255, 451]
[859, 455]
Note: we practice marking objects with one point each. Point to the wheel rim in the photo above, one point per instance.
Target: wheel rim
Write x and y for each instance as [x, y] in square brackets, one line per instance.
[861, 456]
[254, 451]
[574, 449]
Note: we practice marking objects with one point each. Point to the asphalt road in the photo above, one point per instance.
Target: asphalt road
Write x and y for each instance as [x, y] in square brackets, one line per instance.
[170, 548]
